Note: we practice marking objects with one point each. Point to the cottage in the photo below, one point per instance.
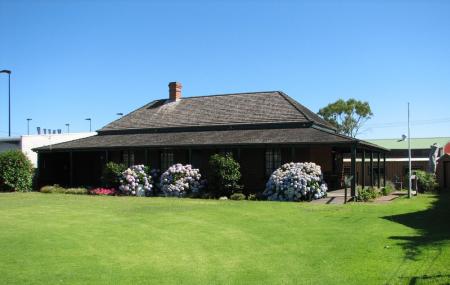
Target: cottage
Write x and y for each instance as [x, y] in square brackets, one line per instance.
[261, 129]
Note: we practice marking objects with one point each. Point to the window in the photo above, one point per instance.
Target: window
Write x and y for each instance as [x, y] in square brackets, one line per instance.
[128, 157]
[131, 158]
[125, 157]
[273, 160]
[166, 160]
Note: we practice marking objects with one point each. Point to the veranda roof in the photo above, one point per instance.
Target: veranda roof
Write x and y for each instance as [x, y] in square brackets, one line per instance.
[278, 136]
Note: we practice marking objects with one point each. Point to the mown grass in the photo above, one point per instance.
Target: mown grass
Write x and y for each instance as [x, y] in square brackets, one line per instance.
[71, 239]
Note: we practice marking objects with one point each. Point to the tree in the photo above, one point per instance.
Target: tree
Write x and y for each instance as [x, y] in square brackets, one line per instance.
[347, 116]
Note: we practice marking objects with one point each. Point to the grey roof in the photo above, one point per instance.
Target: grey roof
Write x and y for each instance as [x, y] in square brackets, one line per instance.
[207, 138]
[217, 110]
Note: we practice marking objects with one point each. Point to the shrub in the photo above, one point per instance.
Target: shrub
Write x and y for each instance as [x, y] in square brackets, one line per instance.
[56, 189]
[251, 197]
[426, 182]
[295, 182]
[52, 189]
[16, 171]
[103, 191]
[237, 196]
[181, 180]
[156, 177]
[388, 189]
[225, 175]
[135, 181]
[111, 174]
[367, 194]
[76, 191]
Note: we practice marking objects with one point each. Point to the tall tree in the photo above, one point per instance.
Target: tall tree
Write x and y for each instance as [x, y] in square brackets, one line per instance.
[347, 116]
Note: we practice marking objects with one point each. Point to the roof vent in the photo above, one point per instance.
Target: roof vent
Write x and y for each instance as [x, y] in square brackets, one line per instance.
[175, 91]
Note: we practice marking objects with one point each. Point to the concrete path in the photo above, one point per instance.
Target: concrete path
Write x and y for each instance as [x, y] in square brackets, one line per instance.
[338, 197]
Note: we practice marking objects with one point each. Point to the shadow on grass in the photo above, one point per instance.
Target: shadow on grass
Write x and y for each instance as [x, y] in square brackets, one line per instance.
[432, 226]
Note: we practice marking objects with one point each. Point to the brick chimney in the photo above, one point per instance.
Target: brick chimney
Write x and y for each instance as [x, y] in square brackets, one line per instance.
[175, 91]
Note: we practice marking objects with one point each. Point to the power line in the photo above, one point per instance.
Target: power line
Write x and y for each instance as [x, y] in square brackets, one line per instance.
[413, 123]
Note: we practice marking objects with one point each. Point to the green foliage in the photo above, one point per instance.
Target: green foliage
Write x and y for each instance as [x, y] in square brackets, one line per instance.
[111, 174]
[367, 194]
[16, 172]
[251, 197]
[56, 189]
[347, 116]
[237, 196]
[426, 181]
[76, 191]
[225, 175]
[388, 189]
[52, 189]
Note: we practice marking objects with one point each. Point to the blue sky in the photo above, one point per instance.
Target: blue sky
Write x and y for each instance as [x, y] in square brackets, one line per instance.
[77, 59]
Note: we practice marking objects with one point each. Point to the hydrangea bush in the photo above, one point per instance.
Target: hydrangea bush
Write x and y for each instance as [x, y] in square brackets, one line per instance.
[180, 180]
[135, 181]
[295, 182]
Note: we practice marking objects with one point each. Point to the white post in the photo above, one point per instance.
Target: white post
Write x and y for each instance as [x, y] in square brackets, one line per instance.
[409, 159]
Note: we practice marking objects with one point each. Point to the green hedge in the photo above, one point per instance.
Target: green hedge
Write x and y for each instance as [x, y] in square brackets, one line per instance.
[16, 172]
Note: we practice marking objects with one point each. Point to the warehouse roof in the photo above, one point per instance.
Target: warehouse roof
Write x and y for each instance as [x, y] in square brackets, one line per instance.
[416, 143]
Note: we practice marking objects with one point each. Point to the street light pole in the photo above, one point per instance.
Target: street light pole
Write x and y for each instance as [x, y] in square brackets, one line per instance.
[409, 158]
[68, 127]
[28, 125]
[9, 99]
[90, 124]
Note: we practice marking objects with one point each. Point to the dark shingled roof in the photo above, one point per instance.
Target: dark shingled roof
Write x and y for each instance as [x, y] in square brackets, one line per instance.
[217, 110]
[233, 119]
[206, 138]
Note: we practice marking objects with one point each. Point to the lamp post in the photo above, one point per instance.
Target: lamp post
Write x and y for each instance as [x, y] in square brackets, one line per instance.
[28, 125]
[9, 99]
[68, 127]
[409, 158]
[90, 124]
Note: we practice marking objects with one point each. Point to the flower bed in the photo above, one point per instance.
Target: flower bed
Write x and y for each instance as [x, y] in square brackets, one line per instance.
[180, 180]
[296, 182]
[103, 191]
[135, 181]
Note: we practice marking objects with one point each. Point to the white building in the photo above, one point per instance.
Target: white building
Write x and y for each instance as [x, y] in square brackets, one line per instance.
[27, 143]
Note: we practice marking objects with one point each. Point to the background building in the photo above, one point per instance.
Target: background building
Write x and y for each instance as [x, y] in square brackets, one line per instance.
[27, 143]
[397, 159]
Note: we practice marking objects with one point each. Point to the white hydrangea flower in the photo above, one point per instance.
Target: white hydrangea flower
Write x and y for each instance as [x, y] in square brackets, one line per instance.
[295, 182]
[179, 180]
[135, 181]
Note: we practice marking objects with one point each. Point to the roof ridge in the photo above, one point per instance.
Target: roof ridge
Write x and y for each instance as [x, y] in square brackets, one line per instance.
[294, 103]
[229, 94]
[289, 99]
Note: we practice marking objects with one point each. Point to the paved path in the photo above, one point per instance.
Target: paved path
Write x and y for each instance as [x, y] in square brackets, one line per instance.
[338, 197]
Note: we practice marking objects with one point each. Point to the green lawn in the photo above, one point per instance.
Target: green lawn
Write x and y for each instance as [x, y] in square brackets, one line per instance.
[67, 239]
